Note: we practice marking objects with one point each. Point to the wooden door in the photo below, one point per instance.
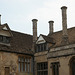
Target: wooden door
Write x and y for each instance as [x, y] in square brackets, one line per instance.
[7, 71]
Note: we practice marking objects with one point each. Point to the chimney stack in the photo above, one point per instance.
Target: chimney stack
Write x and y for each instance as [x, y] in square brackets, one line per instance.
[64, 25]
[34, 30]
[0, 19]
[51, 27]
[34, 21]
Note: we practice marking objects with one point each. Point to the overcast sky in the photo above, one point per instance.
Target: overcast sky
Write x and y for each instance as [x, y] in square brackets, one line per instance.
[19, 13]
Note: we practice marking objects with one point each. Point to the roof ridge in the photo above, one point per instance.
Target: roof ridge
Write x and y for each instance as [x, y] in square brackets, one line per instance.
[21, 33]
[60, 31]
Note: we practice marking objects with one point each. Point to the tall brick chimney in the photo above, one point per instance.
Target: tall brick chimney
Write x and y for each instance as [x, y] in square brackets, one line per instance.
[64, 25]
[34, 21]
[0, 19]
[51, 27]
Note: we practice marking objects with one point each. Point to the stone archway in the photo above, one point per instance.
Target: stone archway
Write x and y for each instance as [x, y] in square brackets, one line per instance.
[72, 66]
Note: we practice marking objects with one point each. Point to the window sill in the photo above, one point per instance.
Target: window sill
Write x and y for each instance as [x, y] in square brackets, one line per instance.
[41, 51]
[5, 44]
[25, 72]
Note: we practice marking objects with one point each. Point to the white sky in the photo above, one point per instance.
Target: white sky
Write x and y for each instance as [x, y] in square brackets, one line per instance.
[19, 13]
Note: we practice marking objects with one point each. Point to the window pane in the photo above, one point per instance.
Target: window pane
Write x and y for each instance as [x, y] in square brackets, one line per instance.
[0, 38]
[7, 39]
[42, 68]
[4, 39]
[38, 73]
[22, 59]
[19, 59]
[25, 59]
[19, 67]
[24, 64]
[44, 46]
[55, 68]
[28, 60]
[41, 47]
[28, 67]
[25, 67]
[38, 48]
[22, 68]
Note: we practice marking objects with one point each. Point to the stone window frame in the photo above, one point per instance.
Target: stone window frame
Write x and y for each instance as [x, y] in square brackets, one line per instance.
[41, 47]
[70, 64]
[4, 39]
[22, 68]
[55, 68]
[42, 68]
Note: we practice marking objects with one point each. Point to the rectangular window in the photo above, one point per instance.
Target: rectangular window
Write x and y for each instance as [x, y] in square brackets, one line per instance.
[1, 39]
[24, 64]
[41, 47]
[55, 68]
[19, 67]
[4, 39]
[28, 67]
[25, 67]
[42, 68]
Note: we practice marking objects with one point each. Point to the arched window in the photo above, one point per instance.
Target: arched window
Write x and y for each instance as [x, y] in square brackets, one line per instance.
[72, 66]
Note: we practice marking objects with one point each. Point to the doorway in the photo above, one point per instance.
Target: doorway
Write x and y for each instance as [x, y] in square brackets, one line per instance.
[72, 66]
[7, 71]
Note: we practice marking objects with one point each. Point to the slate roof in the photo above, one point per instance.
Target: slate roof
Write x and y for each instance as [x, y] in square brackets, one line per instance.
[20, 43]
[1, 27]
[57, 36]
[48, 39]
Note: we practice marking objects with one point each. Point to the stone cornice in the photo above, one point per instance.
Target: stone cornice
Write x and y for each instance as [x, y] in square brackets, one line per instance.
[62, 51]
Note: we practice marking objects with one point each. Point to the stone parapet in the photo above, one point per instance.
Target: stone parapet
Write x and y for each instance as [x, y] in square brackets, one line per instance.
[62, 47]
[61, 51]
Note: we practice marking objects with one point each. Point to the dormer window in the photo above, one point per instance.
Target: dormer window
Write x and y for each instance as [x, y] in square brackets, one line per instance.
[42, 43]
[41, 47]
[4, 39]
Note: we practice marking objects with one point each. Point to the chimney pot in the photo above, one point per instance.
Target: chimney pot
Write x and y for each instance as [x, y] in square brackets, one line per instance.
[63, 7]
[34, 20]
[51, 21]
[0, 19]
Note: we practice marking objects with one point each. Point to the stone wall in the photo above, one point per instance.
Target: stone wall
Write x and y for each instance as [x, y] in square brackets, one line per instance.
[61, 51]
[10, 60]
[64, 66]
[40, 57]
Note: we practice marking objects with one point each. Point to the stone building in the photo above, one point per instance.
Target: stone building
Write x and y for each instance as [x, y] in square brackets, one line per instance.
[55, 53]
[16, 57]
[24, 54]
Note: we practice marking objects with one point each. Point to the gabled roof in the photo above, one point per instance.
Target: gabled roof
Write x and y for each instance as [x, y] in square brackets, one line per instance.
[5, 25]
[20, 43]
[48, 39]
[57, 36]
[43, 38]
